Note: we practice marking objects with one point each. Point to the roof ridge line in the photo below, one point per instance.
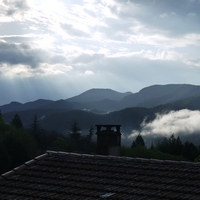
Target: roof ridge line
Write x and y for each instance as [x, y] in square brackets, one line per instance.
[22, 166]
[123, 157]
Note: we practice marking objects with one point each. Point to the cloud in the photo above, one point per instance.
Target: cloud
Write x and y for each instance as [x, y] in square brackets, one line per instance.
[86, 58]
[13, 54]
[130, 44]
[13, 9]
[167, 17]
[88, 72]
[24, 53]
[183, 123]
[24, 60]
[73, 31]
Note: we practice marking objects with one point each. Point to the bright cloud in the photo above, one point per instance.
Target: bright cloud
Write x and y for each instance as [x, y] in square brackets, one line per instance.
[183, 123]
[177, 122]
[88, 72]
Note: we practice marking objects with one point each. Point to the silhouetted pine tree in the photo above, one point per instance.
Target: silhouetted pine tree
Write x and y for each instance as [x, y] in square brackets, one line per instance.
[138, 142]
[16, 121]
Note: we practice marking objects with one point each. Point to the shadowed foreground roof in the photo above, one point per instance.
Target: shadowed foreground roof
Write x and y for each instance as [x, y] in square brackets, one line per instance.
[59, 175]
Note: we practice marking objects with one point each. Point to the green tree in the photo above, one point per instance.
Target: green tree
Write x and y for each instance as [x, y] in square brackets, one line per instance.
[16, 146]
[152, 146]
[90, 134]
[3, 125]
[75, 131]
[16, 121]
[60, 144]
[20, 146]
[163, 145]
[174, 146]
[138, 142]
[75, 137]
[190, 151]
[142, 152]
[35, 126]
[1, 119]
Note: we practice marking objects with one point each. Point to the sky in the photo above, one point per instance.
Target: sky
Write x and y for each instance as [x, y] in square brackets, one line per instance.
[56, 49]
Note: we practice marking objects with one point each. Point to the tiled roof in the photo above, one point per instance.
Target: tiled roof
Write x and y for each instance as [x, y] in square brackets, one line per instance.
[59, 175]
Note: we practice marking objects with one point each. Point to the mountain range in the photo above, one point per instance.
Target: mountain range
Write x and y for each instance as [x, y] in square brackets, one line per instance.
[106, 106]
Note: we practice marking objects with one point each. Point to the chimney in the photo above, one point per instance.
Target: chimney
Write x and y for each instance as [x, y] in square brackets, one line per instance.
[108, 139]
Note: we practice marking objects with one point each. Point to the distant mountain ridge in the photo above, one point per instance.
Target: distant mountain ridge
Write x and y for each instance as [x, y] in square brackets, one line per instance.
[94, 95]
[160, 94]
[107, 100]
[127, 109]
[16, 106]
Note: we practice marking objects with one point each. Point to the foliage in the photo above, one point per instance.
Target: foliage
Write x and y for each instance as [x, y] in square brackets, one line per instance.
[79, 143]
[138, 142]
[90, 134]
[60, 144]
[174, 146]
[169, 148]
[16, 146]
[75, 132]
[16, 121]
[35, 126]
[190, 151]
[142, 152]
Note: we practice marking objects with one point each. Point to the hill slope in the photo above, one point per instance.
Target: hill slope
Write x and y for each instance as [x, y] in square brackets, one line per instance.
[160, 94]
[94, 95]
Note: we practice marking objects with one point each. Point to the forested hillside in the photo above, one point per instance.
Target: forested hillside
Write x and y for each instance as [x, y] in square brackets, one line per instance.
[29, 129]
[18, 145]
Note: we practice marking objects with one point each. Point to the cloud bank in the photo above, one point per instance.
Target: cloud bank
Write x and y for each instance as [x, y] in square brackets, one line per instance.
[183, 123]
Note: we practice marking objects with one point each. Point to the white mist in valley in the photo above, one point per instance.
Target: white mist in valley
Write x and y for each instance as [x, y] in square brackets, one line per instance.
[183, 123]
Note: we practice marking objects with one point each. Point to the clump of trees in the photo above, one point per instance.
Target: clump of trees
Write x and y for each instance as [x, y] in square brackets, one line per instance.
[78, 142]
[18, 145]
[175, 146]
[171, 148]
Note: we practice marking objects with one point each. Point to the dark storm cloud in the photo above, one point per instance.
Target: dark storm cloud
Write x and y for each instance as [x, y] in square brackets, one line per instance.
[20, 54]
[15, 54]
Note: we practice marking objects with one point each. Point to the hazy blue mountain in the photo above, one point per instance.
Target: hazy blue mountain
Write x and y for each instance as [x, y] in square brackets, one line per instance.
[102, 101]
[16, 106]
[191, 103]
[99, 107]
[63, 105]
[59, 115]
[94, 95]
[160, 94]
[130, 118]
[60, 121]
[10, 107]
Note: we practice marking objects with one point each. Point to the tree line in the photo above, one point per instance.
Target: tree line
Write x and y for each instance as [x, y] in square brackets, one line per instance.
[18, 145]
[171, 148]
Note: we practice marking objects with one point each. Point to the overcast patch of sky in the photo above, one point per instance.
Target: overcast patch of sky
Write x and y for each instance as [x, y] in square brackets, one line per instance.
[122, 45]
